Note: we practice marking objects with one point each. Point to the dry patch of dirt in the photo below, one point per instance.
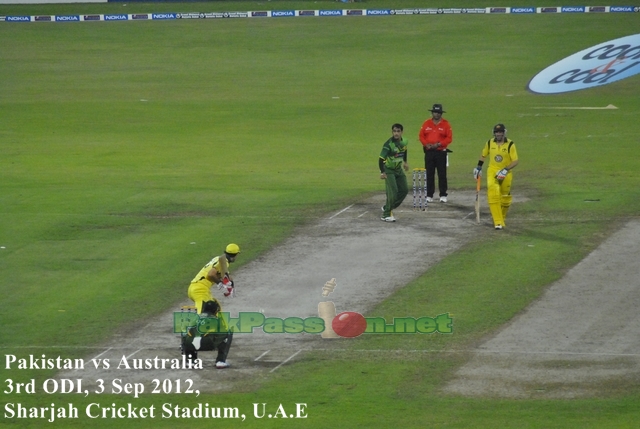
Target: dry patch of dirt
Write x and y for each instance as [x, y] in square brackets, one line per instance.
[579, 339]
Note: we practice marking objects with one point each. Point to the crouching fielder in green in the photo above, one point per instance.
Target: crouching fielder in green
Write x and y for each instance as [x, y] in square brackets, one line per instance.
[393, 158]
[502, 159]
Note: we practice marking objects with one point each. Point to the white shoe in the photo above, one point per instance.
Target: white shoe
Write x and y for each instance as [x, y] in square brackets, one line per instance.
[498, 226]
[222, 365]
[443, 199]
[429, 199]
[388, 219]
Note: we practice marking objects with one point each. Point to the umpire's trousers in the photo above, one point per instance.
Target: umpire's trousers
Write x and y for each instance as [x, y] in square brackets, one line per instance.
[436, 160]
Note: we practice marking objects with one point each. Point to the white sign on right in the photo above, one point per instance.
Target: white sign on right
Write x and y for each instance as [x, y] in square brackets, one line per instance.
[599, 65]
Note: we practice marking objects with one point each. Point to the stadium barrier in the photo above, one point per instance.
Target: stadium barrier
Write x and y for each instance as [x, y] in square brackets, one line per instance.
[163, 16]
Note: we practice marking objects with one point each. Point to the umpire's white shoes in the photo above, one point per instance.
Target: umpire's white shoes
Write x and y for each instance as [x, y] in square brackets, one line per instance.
[222, 365]
[388, 219]
[429, 199]
[443, 199]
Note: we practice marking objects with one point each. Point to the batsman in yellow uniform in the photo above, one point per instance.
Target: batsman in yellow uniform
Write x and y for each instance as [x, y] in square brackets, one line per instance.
[503, 158]
[215, 272]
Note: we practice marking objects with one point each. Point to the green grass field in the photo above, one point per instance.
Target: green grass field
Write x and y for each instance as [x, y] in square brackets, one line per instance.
[134, 151]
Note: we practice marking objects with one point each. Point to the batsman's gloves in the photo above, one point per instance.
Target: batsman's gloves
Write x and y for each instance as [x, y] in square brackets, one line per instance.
[502, 174]
[230, 291]
[225, 283]
[477, 172]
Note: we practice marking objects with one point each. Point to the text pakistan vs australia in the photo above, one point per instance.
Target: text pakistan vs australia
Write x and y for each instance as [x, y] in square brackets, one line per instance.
[52, 412]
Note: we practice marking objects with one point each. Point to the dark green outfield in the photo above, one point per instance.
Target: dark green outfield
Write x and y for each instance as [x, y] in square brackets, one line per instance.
[130, 152]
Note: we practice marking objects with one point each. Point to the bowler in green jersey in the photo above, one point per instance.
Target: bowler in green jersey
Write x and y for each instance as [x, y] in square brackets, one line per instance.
[393, 159]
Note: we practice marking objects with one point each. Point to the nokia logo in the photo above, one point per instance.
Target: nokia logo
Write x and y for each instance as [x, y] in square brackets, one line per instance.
[64, 18]
[18, 19]
[277, 13]
[596, 66]
[163, 16]
[523, 10]
[116, 17]
[622, 9]
[378, 12]
[573, 9]
[330, 13]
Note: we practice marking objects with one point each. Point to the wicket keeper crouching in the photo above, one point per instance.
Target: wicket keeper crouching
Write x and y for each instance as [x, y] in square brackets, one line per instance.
[194, 341]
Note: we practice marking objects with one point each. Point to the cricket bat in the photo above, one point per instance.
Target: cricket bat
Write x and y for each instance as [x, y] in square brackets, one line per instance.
[478, 199]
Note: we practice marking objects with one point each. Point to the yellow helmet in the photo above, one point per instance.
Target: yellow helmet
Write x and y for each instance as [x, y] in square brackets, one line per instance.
[232, 249]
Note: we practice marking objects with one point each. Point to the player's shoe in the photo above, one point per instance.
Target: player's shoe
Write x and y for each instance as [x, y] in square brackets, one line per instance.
[429, 199]
[443, 199]
[222, 365]
[498, 227]
[388, 219]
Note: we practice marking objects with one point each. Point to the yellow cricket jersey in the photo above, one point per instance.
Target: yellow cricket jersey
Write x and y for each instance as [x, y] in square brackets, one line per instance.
[220, 265]
[499, 155]
[200, 287]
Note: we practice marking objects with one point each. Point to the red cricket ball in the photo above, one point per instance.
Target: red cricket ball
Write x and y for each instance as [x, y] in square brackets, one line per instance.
[349, 324]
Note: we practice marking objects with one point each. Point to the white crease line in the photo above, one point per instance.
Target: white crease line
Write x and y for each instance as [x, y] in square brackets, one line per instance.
[479, 352]
[133, 353]
[341, 211]
[554, 353]
[609, 107]
[78, 369]
[364, 213]
[287, 360]
[258, 358]
[102, 353]
[57, 347]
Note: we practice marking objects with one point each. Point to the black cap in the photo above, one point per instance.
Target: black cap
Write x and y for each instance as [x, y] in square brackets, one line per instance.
[437, 108]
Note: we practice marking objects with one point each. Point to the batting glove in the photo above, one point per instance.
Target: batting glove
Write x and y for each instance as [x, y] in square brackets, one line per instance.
[477, 172]
[231, 291]
[502, 174]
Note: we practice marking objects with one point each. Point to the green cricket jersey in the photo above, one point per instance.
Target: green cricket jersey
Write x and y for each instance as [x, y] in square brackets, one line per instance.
[394, 153]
